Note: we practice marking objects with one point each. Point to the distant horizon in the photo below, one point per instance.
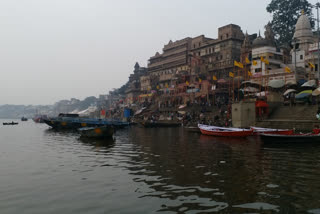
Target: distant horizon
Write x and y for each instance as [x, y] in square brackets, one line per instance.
[58, 50]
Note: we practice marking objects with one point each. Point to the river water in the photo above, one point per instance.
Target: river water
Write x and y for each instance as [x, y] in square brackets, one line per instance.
[165, 170]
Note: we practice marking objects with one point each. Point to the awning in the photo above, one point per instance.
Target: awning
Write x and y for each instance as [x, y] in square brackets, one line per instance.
[222, 81]
[262, 94]
[316, 92]
[140, 111]
[304, 94]
[250, 89]
[288, 91]
[146, 95]
[182, 106]
[276, 83]
[310, 83]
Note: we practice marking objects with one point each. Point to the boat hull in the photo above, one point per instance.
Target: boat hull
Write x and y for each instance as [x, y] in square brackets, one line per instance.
[76, 123]
[287, 139]
[97, 132]
[259, 131]
[5, 124]
[227, 133]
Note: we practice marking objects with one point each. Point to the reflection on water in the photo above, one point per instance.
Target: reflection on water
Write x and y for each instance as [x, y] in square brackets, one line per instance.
[154, 170]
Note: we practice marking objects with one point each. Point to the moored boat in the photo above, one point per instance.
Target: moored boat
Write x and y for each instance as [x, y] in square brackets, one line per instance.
[293, 138]
[97, 132]
[10, 123]
[73, 121]
[24, 119]
[259, 130]
[39, 118]
[224, 131]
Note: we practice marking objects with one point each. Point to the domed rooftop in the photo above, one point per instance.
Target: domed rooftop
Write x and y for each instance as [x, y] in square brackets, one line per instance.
[261, 42]
[303, 28]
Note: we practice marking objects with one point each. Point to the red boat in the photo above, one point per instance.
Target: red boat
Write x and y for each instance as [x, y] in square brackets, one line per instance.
[259, 131]
[224, 131]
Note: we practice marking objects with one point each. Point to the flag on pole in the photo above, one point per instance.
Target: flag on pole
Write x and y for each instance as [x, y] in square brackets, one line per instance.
[214, 77]
[103, 112]
[311, 65]
[238, 64]
[200, 80]
[264, 60]
[187, 83]
[287, 69]
[158, 87]
[231, 74]
[254, 62]
[249, 74]
[167, 86]
[247, 60]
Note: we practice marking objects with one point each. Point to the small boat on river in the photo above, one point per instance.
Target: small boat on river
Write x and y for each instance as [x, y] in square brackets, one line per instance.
[293, 138]
[24, 119]
[10, 123]
[73, 121]
[100, 132]
[224, 131]
[259, 130]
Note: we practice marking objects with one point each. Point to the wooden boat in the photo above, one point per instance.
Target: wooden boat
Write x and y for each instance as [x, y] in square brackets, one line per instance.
[73, 121]
[259, 130]
[224, 131]
[161, 123]
[24, 119]
[11, 123]
[39, 118]
[97, 132]
[293, 138]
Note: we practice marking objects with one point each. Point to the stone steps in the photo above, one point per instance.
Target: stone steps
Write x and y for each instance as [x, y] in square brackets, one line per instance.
[294, 113]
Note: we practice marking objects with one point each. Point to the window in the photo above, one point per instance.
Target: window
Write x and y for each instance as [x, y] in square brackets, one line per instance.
[221, 37]
[227, 35]
[301, 56]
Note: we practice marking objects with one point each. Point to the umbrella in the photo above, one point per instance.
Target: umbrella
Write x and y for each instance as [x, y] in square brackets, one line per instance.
[316, 92]
[310, 83]
[291, 82]
[276, 83]
[250, 89]
[262, 94]
[288, 91]
[222, 81]
[304, 94]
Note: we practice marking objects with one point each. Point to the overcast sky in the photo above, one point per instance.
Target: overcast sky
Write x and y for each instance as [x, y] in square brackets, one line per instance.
[59, 49]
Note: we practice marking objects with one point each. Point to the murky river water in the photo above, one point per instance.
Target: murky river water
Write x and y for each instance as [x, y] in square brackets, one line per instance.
[165, 170]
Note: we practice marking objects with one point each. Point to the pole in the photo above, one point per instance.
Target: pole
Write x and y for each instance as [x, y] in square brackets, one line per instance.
[317, 5]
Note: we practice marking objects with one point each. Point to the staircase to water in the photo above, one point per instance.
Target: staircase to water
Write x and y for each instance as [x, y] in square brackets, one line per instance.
[300, 117]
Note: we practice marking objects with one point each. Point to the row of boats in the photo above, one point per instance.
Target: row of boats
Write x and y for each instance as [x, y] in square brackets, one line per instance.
[267, 135]
[88, 127]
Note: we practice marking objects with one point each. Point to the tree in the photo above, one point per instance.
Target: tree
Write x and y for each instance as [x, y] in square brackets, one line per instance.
[285, 16]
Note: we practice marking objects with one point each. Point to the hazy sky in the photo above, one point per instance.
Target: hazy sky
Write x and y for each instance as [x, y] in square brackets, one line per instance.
[59, 49]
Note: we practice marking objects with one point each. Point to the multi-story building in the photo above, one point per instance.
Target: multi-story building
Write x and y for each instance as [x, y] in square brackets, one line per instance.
[173, 60]
[217, 55]
[134, 85]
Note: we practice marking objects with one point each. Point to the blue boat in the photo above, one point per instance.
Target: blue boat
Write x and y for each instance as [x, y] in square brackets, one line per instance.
[73, 121]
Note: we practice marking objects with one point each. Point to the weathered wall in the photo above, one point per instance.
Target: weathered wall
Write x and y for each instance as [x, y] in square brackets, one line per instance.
[243, 114]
